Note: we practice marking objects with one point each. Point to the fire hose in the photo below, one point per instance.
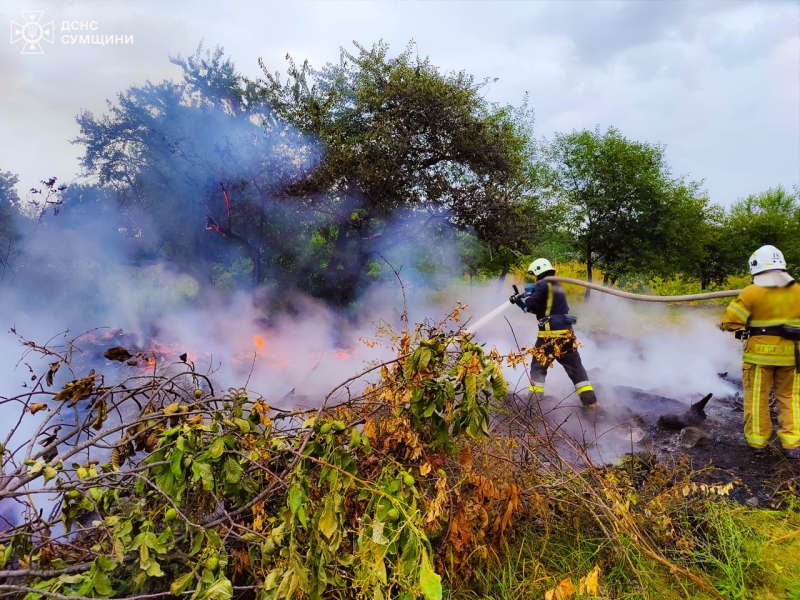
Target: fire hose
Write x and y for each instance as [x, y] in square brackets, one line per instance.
[645, 297]
[607, 290]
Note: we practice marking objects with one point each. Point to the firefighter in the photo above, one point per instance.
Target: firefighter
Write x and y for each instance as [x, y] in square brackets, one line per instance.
[556, 339]
[766, 317]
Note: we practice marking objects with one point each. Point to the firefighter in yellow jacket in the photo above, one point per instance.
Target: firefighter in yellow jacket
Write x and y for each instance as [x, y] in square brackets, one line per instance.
[766, 317]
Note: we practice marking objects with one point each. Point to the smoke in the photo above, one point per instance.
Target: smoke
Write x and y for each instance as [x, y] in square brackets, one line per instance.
[295, 357]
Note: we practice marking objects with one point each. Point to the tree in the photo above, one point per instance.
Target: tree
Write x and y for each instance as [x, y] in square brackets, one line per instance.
[195, 166]
[403, 147]
[771, 217]
[9, 234]
[313, 179]
[710, 258]
[624, 211]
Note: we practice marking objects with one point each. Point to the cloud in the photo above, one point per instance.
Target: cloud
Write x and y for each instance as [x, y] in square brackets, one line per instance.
[715, 81]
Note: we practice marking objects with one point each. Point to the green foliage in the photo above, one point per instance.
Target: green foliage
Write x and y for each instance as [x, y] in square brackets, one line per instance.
[731, 549]
[623, 211]
[305, 181]
[399, 139]
[322, 172]
[235, 276]
[472, 380]
[214, 494]
[195, 166]
[771, 217]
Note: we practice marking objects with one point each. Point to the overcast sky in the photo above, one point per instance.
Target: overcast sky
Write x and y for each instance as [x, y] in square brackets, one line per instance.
[717, 82]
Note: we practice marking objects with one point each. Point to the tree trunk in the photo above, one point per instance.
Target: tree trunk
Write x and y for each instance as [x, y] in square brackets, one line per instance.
[255, 256]
[589, 266]
[347, 262]
[501, 282]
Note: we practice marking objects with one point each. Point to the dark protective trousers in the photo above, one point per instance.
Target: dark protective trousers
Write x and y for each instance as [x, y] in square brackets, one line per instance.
[568, 357]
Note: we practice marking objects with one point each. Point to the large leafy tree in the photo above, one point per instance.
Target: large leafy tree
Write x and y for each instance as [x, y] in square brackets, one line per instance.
[405, 147]
[312, 180]
[195, 166]
[711, 259]
[771, 217]
[623, 210]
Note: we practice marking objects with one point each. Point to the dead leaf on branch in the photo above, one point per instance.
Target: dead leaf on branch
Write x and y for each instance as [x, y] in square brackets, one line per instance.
[102, 414]
[53, 369]
[117, 353]
[36, 407]
[150, 442]
[77, 389]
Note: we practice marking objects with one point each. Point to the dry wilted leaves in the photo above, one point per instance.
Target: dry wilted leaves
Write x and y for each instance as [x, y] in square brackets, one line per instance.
[587, 586]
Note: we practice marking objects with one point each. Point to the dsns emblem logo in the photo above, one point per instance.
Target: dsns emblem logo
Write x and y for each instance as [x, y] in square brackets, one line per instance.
[32, 32]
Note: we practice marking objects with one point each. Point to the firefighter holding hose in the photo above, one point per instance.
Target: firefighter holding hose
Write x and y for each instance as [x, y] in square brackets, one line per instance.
[766, 317]
[556, 339]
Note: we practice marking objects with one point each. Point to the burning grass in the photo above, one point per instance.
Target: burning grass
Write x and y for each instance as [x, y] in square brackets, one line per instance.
[161, 485]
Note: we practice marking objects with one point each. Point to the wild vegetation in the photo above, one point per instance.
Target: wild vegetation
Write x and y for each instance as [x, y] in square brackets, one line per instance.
[160, 486]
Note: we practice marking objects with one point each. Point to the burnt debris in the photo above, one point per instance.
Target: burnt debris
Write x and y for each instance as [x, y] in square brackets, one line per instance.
[691, 418]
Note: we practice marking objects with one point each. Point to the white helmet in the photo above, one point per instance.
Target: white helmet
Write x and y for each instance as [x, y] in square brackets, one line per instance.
[539, 266]
[766, 258]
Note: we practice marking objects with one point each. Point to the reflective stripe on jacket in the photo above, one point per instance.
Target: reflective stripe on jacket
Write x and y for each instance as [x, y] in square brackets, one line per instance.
[549, 299]
[759, 306]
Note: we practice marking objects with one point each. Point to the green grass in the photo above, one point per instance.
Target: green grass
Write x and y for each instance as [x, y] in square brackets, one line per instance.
[745, 554]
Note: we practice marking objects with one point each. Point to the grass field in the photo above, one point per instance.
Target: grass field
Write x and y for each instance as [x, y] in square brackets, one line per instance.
[744, 553]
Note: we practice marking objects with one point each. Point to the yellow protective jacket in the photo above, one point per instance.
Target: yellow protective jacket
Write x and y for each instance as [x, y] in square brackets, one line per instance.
[759, 306]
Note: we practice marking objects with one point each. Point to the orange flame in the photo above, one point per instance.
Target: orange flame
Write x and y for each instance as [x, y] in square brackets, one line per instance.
[259, 342]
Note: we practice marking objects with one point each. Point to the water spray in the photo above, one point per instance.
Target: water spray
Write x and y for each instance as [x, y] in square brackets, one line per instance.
[606, 290]
[488, 317]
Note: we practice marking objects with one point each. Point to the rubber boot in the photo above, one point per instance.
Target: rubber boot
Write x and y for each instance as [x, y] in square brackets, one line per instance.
[588, 399]
[792, 453]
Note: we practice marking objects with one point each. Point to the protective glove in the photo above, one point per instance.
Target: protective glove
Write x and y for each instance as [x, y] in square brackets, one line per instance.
[529, 288]
[517, 299]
